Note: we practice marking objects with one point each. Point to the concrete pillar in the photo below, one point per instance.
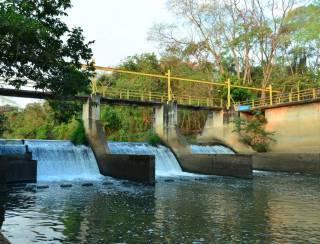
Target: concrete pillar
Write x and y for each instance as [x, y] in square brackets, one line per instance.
[220, 129]
[166, 126]
[139, 168]
[93, 128]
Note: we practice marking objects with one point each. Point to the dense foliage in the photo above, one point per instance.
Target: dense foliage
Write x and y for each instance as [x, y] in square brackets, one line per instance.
[36, 45]
[37, 121]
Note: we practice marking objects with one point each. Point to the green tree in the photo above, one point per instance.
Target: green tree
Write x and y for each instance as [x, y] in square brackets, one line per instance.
[35, 44]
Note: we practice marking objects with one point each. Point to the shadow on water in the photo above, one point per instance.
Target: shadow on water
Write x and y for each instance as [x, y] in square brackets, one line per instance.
[270, 209]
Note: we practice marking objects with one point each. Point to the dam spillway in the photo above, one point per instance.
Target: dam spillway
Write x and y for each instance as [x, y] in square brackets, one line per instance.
[61, 160]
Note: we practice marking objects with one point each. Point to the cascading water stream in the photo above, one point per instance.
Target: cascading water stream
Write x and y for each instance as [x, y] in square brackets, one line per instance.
[166, 163]
[217, 149]
[61, 160]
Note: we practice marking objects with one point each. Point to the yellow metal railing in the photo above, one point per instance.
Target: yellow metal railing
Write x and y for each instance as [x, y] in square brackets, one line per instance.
[283, 98]
[150, 96]
[192, 100]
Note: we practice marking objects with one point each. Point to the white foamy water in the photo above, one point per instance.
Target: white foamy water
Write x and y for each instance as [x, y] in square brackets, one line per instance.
[166, 163]
[217, 149]
[61, 160]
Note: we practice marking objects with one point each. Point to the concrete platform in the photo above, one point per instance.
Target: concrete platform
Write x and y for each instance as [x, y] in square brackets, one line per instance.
[140, 168]
[287, 162]
[235, 165]
[18, 168]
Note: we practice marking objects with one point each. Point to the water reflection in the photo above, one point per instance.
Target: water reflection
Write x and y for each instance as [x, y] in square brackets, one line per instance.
[270, 209]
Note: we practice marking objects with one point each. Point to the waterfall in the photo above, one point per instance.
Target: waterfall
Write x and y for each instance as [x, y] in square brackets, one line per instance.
[61, 160]
[217, 149]
[166, 163]
[12, 147]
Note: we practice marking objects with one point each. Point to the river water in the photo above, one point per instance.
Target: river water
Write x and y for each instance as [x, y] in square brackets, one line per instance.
[181, 208]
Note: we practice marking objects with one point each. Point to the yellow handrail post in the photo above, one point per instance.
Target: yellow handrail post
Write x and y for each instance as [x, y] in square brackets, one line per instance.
[94, 85]
[229, 94]
[94, 80]
[314, 93]
[298, 89]
[270, 93]
[169, 85]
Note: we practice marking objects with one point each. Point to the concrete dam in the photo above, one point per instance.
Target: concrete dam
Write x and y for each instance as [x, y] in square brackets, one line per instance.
[63, 161]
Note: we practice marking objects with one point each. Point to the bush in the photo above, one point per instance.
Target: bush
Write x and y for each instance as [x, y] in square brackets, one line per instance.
[78, 136]
[253, 133]
[153, 139]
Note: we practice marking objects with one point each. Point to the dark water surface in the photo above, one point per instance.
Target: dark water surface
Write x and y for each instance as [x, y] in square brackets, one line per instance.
[272, 208]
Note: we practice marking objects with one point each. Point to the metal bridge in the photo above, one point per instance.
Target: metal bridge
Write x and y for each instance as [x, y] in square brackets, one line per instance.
[192, 100]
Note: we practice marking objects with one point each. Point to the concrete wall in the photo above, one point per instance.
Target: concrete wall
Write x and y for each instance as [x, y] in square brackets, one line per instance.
[288, 162]
[166, 126]
[139, 168]
[18, 168]
[3, 176]
[219, 129]
[297, 128]
[235, 165]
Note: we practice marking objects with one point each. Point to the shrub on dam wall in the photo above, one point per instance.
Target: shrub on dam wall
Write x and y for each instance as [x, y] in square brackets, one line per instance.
[252, 132]
[78, 135]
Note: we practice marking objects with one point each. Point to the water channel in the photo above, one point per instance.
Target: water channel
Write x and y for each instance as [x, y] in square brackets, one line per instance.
[181, 208]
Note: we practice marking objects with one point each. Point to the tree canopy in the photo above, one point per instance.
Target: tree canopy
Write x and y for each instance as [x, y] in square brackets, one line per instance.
[36, 45]
[257, 42]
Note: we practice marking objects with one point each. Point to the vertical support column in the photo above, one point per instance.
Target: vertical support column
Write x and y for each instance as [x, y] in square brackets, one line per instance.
[166, 126]
[92, 125]
[229, 94]
[270, 94]
[169, 86]
[298, 90]
[314, 95]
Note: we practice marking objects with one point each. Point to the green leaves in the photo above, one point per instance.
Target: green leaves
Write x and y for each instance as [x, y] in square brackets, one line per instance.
[32, 47]
[303, 23]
